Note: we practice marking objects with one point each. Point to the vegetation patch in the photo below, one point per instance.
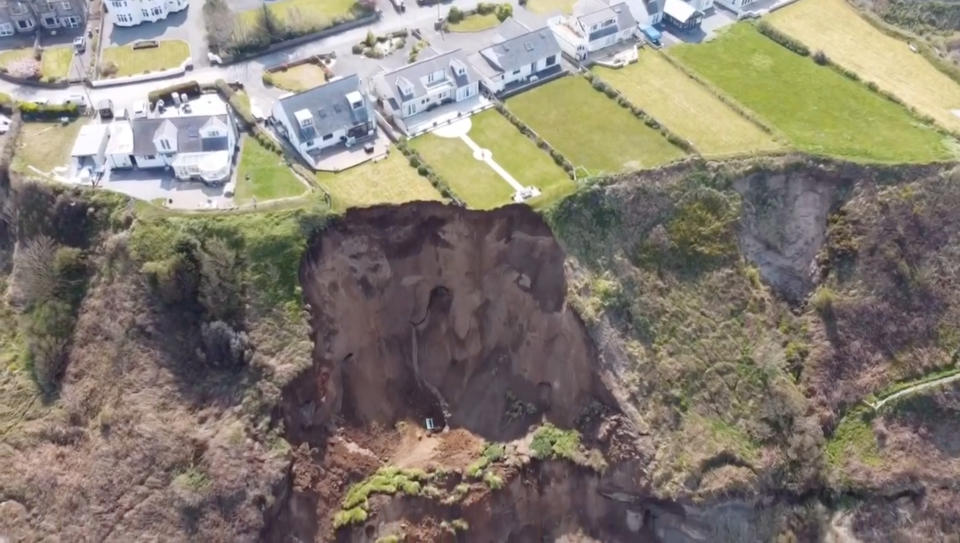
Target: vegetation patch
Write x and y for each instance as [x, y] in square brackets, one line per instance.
[820, 110]
[550, 442]
[297, 78]
[386, 480]
[835, 27]
[594, 133]
[681, 103]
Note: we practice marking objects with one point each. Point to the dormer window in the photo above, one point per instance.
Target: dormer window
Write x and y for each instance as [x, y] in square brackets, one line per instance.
[355, 99]
[304, 118]
[165, 145]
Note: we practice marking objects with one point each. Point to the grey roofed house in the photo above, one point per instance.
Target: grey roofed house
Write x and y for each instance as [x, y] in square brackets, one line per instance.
[522, 50]
[329, 106]
[414, 77]
[620, 11]
[188, 134]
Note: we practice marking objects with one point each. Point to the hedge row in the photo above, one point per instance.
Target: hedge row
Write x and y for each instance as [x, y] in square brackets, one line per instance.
[612, 93]
[416, 161]
[769, 31]
[190, 88]
[242, 108]
[48, 112]
[557, 157]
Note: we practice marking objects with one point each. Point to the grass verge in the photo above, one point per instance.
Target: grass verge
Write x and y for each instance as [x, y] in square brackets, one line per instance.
[124, 60]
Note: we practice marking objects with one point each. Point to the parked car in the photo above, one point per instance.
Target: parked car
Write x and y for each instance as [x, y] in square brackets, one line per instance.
[77, 99]
[80, 44]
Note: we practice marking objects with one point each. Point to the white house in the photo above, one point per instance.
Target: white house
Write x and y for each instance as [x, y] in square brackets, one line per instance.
[580, 35]
[515, 62]
[196, 140]
[316, 120]
[134, 12]
[416, 88]
[737, 6]
[89, 149]
[119, 151]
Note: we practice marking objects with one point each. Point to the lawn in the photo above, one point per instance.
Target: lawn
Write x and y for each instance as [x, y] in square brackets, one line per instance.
[301, 15]
[54, 62]
[591, 130]
[387, 181]
[262, 174]
[683, 105]
[298, 78]
[550, 6]
[475, 23]
[45, 146]
[821, 111]
[835, 27]
[471, 180]
[129, 61]
[521, 157]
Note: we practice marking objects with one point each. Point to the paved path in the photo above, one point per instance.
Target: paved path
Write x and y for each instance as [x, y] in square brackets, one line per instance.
[916, 388]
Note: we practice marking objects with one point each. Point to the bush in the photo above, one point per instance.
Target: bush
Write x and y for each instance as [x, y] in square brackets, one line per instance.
[550, 442]
[769, 31]
[493, 481]
[357, 49]
[504, 12]
[824, 301]
[48, 330]
[454, 16]
[821, 58]
[356, 515]
[222, 346]
[486, 8]
[48, 112]
[219, 291]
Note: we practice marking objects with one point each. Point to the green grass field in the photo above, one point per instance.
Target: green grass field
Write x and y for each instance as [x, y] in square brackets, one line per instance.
[544, 7]
[129, 61]
[682, 104]
[591, 130]
[471, 180]
[298, 78]
[387, 181]
[300, 15]
[521, 157]
[835, 27]
[44, 146]
[475, 23]
[821, 111]
[262, 174]
[477, 184]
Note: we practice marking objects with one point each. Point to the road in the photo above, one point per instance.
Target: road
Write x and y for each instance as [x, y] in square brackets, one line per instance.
[249, 71]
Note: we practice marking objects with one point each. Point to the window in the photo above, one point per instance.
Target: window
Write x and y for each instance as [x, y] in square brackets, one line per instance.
[516, 72]
[165, 145]
[124, 18]
[156, 11]
[24, 23]
[145, 13]
[72, 22]
[327, 137]
[6, 29]
[50, 21]
[119, 4]
[65, 6]
[551, 60]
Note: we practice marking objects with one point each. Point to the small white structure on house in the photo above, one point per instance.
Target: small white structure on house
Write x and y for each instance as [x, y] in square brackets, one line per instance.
[316, 120]
[703, 6]
[134, 12]
[422, 86]
[518, 61]
[119, 150]
[89, 149]
[197, 139]
[737, 6]
[580, 35]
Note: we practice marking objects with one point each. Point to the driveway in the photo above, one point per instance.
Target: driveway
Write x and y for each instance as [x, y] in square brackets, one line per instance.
[186, 25]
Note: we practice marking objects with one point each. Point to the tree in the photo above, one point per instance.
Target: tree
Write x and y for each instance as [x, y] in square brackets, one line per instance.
[220, 289]
[223, 347]
[454, 16]
[34, 276]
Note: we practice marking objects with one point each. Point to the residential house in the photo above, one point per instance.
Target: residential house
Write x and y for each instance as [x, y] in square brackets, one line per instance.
[422, 86]
[647, 13]
[196, 139]
[703, 6]
[134, 12]
[89, 149]
[518, 61]
[737, 6]
[580, 35]
[333, 114]
[27, 16]
[681, 16]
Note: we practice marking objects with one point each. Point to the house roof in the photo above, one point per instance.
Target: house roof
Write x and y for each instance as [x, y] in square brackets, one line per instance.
[679, 10]
[522, 50]
[619, 12]
[89, 140]
[328, 105]
[121, 139]
[187, 134]
[416, 74]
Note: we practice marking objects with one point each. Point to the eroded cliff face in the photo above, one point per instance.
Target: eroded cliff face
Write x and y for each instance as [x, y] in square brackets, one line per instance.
[429, 310]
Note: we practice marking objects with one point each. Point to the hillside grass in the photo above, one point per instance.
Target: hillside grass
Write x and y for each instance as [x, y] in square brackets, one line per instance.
[591, 130]
[387, 181]
[820, 110]
[836, 28]
[682, 104]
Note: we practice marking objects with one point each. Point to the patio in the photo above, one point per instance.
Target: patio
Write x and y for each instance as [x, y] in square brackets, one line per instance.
[443, 115]
[339, 157]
